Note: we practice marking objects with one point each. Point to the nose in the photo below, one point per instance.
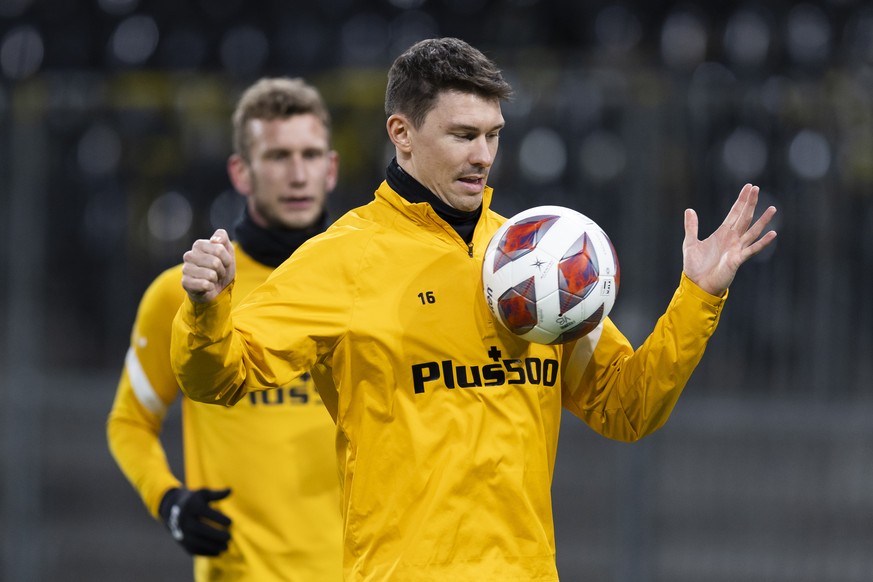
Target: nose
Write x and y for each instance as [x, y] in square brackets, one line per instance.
[481, 153]
[296, 170]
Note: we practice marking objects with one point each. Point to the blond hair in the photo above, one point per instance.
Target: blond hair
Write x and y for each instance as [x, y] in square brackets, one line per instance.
[275, 98]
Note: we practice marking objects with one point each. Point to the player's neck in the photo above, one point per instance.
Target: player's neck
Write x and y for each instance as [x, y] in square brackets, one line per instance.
[271, 246]
[413, 191]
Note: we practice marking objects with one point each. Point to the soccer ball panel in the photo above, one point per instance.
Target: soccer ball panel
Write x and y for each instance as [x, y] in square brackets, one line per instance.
[520, 238]
[582, 328]
[579, 272]
[518, 307]
[550, 275]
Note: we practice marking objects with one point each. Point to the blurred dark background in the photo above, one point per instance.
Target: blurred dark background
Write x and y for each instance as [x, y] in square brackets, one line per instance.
[114, 131]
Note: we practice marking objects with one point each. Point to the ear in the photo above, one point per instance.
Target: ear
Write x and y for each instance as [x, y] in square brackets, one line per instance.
[240, 174]
[399, 131]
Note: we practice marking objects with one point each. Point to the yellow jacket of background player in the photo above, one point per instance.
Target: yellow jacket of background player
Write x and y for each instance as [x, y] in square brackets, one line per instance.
[447, 425]
[273, 449]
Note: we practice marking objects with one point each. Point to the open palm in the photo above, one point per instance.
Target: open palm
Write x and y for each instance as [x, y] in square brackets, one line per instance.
[712, 263]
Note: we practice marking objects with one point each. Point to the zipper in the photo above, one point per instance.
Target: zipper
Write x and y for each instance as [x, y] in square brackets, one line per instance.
[470, 249]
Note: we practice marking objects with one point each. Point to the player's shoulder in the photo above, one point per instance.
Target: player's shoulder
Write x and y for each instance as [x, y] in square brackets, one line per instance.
[166, 288]
[349, 233]
[358, 221]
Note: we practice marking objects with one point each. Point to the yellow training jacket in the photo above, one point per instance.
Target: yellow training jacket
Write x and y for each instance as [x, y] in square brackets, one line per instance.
[447, 426]
[273, 449]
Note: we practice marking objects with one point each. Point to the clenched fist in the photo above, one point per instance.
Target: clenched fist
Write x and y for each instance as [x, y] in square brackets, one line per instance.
[208, 267]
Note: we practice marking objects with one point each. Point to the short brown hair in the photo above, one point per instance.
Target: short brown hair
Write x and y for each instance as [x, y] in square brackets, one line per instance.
[275, 98]
[431, 66]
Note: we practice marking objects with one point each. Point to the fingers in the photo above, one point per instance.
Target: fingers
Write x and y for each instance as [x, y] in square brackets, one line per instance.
[210, 512]
[759, 245]
[756, 229]
[204, 252]
[221, 237]
[197, 529]
[749, 236]
[691, 226]
[748, 209]
[206, 527]
[208, 266]
[216, 516]
[205, 548]
[206, 256]
[740, 214]
[204, 540]
[740, 209]
[753, 246]
[215, 494]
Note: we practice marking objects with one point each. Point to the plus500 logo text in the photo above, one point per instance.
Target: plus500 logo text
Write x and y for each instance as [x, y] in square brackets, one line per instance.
[446, 373]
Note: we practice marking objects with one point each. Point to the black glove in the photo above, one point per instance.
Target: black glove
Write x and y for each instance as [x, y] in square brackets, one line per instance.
[198, 528]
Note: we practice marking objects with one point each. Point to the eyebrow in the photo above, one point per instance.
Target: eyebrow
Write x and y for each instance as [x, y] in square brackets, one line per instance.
[473, 128]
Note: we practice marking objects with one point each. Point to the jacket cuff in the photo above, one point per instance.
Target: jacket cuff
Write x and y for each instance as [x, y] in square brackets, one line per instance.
[204, 319]
[689, 286]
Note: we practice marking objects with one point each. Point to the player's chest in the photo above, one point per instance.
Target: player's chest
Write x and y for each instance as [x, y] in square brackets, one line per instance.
[430, 293]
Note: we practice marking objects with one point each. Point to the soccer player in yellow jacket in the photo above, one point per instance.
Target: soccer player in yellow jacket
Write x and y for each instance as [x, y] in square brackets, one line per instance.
[260, 499]
[447, 425]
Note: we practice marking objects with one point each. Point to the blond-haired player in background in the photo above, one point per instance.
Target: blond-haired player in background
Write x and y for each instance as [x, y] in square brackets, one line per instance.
[260, 498]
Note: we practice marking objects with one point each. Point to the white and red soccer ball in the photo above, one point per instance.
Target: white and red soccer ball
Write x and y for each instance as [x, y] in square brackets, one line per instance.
[550, 275]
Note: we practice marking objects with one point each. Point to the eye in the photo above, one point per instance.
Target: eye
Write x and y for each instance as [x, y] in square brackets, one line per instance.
[276, 155]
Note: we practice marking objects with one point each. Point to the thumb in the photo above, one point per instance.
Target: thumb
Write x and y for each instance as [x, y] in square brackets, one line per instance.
[221, 237]
[216, 494]
[691, 224]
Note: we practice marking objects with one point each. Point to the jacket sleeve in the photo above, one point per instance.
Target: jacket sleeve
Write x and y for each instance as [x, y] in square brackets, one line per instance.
[278, 332]
[206, 356]
[625, 394]
[145, 390]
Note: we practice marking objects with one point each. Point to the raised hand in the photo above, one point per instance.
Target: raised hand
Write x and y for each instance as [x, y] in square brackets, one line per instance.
[208, 267]
[712, 263]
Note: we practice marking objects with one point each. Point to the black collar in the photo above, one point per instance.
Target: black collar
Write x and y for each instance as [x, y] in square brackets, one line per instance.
[413, 191]
[271, 246]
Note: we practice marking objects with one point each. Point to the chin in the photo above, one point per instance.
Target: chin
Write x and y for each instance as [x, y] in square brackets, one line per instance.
[469, 203]
[287, 223]
[297, 224]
